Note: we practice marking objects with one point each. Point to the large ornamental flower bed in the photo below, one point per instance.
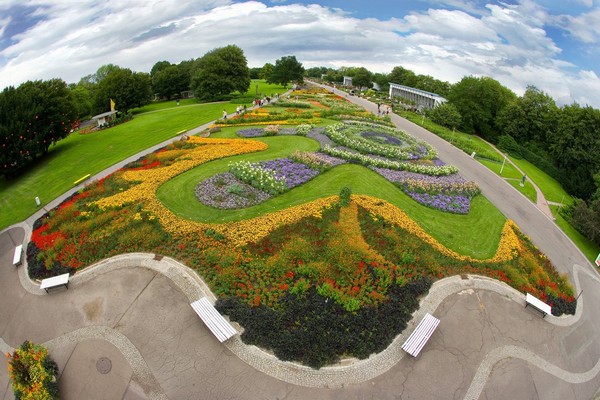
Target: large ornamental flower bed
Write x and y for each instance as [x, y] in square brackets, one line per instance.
[337, 276]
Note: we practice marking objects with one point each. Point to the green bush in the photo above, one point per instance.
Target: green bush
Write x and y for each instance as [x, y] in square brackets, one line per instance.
[345, 194]
[509, 145]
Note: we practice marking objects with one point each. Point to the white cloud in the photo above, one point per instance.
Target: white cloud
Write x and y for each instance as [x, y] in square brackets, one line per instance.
[507, 42]
[585, 27]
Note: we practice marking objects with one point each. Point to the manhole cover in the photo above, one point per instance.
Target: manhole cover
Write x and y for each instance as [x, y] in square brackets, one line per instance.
[103, 365]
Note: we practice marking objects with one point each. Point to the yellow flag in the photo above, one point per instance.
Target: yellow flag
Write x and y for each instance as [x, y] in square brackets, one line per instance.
[112, 105]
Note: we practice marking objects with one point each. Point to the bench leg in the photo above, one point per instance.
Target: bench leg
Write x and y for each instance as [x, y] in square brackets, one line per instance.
[46, 289]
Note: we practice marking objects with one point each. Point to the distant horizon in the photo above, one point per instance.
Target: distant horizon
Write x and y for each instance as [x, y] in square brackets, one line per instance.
[554, 47]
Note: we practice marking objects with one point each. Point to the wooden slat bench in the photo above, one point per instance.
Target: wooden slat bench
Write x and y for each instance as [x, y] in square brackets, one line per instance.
[213, 320]
[420, 335]
[17, 259]
[539, 305]
[55, 281]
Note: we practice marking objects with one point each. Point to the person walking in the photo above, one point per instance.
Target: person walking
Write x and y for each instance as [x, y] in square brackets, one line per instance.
[224, 114]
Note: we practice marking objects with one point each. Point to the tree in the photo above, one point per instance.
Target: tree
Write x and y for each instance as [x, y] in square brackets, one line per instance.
[531, 117]
[266, 71]
[126, 88]
[158, 67]
[479, 101]
[32, 118]
[84, 100]
[220, 72]
[362, 78]
[287, 69]
[574, 147]
[403, 76]
[169, 82]
[446, 115]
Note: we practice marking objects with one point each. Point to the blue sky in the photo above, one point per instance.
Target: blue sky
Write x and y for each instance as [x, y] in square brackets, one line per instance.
[551, 44]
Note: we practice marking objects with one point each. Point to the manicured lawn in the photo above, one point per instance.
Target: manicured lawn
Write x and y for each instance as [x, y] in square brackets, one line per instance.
[265, 89]
[527, 189]
[78, 155]
[475, 234]
[163, 105]
[586, 246]
[552, 190]
[509, 171]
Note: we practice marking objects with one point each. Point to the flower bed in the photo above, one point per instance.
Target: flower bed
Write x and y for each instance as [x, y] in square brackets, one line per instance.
[226, 192]
[398, 145]
[32, 373]
[450, 193]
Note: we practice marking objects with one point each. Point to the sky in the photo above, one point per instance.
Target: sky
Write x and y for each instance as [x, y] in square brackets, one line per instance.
[551, 44]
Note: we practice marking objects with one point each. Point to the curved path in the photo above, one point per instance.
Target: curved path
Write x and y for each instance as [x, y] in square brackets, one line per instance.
[135, 311]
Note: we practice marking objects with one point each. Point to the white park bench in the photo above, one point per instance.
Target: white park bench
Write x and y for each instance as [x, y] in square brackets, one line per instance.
[213, 320]
[55, 281]
[421, 335]
[539, 305]
[18, 255]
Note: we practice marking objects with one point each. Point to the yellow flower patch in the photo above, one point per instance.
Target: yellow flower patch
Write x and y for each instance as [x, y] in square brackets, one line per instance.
[508, 247]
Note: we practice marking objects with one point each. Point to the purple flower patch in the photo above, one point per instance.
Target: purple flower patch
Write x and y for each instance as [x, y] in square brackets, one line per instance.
[295, 173]
[227, 192]
[443, 202]
[253, 132]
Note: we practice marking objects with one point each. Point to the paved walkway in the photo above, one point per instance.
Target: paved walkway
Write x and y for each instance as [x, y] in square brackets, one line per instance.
[134, 311]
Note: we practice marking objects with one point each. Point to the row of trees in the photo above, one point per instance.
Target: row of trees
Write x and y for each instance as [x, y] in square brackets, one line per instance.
[362, 77]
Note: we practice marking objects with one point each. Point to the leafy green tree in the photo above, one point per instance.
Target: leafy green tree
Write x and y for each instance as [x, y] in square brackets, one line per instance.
[479, 101]
[531, 117]
[254, 72]
[445, 114]
[32, 118]
[316, 72]
[84, 100]
[158, 67]
[403, 76]
[220, 72]
[287, 69]
[382, 80]
[104, 71]
[266, 71]
[126, 88]
[170, 82]
[574, 146]
[362, 78]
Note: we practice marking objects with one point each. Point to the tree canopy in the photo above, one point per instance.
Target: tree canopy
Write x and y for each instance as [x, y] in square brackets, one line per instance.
[220, 72]
[32, 117]
[287, 69]
[126, 88]
[479, 101]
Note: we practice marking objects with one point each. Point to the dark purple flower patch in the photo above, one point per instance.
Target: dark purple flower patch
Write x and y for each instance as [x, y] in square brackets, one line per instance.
[443, 202]
[252, 132]
[295, 173]
[227, 192]
[318, 135]
[380, 137]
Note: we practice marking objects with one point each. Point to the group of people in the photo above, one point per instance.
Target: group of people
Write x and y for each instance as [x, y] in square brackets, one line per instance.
[257, 103]
[381, 111]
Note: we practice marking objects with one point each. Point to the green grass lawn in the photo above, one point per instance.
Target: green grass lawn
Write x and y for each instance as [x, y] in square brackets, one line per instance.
[552, 190]
[527, 189]
[588, 248]
[163, 105]
[78, 155]
[476, 234]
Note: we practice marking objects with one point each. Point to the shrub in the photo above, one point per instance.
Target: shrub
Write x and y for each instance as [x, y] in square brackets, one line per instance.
[345, 194]
[32, 373]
